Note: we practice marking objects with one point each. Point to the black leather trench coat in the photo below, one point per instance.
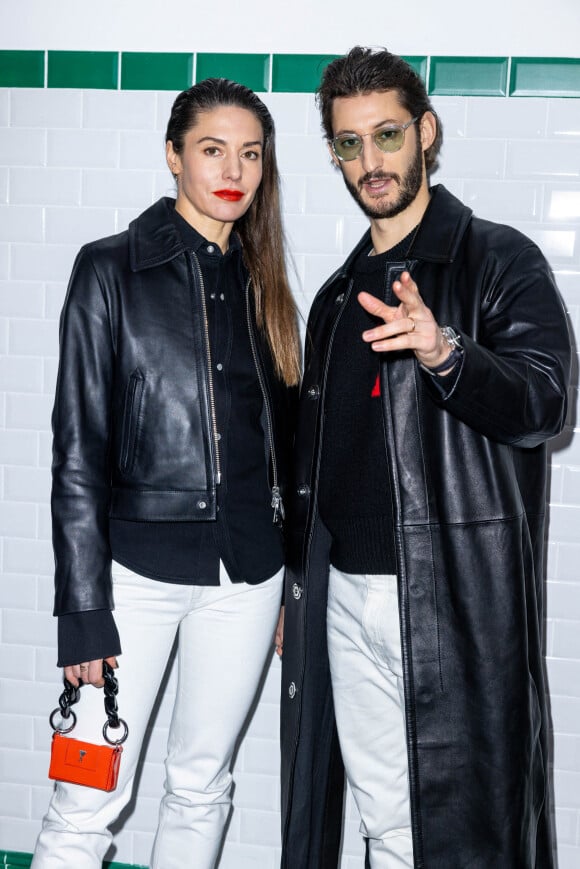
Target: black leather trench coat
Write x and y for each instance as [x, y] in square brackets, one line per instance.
[133, 420]
[468, 476]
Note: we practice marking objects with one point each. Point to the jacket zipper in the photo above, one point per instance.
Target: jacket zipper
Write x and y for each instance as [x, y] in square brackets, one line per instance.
[276, 503]
[135, 381]
[209, 371]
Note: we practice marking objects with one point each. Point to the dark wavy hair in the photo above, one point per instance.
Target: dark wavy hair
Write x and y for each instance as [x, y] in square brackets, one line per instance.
[364, 70]
[260, 228]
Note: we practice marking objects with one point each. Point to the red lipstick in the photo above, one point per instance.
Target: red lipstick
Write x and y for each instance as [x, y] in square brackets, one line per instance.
[229, 195]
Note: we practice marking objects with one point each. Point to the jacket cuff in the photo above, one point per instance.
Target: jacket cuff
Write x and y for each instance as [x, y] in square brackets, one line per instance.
[443, 385]
[87, 636]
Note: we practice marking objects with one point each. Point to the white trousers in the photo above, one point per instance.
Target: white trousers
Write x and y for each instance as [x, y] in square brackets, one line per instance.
[225, 634]
[364, 648]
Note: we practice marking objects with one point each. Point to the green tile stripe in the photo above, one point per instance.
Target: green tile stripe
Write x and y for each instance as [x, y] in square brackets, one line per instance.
[251, 70]
[83, 69]
[282, 73]
[298, 73]
[469, 76]
[155, 71]
[24, 69]
[12, 859]
[545, 77]
[419, 64]
[19, 860]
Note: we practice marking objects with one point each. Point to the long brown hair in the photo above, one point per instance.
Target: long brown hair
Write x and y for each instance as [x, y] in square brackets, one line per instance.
[260, 228]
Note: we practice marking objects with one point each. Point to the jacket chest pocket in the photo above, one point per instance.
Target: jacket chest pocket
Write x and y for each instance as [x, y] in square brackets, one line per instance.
[131, 420]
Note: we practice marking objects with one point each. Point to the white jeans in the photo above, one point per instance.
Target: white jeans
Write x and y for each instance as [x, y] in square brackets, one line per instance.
[225, 634]
[364, 649]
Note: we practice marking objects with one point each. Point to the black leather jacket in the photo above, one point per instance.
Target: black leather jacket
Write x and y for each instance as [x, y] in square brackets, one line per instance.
[133, 420]
[467, 470]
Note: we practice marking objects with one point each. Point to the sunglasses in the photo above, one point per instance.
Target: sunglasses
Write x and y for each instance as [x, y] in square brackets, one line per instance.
[388, 139]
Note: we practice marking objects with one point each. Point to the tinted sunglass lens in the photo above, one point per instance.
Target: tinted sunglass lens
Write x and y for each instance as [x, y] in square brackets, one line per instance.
[390, 140]
[347, 149]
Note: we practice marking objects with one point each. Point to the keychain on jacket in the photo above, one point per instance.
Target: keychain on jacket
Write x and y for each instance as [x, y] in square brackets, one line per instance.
[84, 763]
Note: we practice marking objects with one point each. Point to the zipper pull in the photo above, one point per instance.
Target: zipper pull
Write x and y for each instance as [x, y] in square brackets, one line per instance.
[277, 505]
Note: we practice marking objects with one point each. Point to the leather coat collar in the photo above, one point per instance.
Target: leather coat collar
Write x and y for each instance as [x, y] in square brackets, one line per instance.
[153, 237]
[439, 237]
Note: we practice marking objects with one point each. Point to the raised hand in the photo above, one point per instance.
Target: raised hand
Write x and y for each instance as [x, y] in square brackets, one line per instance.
[408, 326]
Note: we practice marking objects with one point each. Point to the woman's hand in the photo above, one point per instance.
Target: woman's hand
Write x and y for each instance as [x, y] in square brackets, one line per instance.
[279, 635]
[88, 673]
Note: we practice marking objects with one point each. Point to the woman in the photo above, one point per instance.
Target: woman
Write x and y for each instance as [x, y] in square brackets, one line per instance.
[179, 358]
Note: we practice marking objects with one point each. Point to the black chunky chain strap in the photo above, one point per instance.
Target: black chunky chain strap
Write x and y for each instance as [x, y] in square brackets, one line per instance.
[72, 695]
[111, 690]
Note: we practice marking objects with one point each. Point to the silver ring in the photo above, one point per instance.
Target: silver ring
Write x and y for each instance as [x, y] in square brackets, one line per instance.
[122, 724]
[60, 728]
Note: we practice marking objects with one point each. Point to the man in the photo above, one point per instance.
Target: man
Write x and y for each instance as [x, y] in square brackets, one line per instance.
[437, 363]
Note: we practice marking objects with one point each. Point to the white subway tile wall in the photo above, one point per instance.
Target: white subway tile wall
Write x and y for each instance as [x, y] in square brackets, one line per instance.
[78, 165]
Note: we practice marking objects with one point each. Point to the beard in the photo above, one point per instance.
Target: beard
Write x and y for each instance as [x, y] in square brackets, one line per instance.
[409, 186]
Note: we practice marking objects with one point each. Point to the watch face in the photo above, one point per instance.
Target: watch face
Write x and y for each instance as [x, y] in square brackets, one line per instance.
[451, 336]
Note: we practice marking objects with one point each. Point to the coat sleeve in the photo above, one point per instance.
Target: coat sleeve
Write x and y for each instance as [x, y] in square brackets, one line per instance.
[513, 383]
[80, 467]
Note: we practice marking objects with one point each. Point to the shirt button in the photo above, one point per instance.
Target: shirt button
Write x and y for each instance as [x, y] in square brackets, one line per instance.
[313, 392]
[222, 297]
[212, 295]
[296, 591]
[292, 690]
[201, 505]
[303, 490]
[210, 248]
[219, 366]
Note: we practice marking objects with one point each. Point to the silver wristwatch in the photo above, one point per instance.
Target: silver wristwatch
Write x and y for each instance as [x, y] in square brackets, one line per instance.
[453, 339]
[451, 336]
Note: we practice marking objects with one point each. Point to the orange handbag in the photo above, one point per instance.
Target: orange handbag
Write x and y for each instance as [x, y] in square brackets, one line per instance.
[84, 763]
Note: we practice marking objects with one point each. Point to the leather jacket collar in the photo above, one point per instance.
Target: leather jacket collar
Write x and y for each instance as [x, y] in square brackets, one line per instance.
[153, 237]
[439, 237]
